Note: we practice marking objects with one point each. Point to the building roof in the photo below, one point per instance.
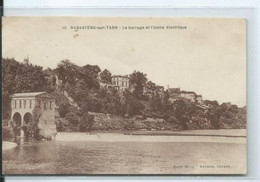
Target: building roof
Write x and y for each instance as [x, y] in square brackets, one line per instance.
[188, 92]
[203, 107]
[120, 76]
[29, 94]
[174, 89]
[158, 86]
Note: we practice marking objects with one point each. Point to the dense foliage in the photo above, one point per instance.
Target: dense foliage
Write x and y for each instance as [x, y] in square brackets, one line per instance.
[18, 77]
[77, 91]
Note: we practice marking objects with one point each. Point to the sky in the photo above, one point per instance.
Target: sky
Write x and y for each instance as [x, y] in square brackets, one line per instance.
[208, 56]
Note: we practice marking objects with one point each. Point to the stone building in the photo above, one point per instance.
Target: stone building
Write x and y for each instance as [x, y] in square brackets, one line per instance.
[174, 94]
[189, 95]
[121, 83]
[174, 91]
[199, 99]
[25, 104]
[150, 92]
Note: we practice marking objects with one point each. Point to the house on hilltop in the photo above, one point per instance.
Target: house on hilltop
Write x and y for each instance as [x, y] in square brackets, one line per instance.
[150, 92]
[174, 91]
[199, 99]
[174, 94]
[188, 95]
[121, 83]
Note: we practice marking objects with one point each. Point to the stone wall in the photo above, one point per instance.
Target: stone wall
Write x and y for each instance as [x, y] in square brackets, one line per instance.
[46, 125]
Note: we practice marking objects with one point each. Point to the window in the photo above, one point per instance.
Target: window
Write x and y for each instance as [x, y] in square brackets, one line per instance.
[15, 104]
[24, 103]
[20, 104]
[30, 106]
[45, 105]
[50, 104]
[39, 104]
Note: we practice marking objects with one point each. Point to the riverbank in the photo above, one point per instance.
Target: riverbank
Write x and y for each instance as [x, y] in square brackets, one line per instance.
[8, 145]
[220, 132]
[216, 136]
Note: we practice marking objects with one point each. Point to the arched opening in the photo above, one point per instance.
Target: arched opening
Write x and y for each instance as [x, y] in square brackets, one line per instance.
[17, 118]
[27, 118]
[28, 125]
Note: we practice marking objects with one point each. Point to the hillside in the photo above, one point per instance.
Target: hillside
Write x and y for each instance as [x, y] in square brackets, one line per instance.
[85, 102]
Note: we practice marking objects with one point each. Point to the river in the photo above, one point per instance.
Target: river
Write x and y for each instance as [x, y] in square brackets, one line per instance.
[90, 157]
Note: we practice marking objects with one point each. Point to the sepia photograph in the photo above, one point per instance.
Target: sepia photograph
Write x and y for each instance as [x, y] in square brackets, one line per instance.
[124, 96]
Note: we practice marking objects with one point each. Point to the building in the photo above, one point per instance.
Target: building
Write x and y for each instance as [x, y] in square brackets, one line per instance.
[159, 90]
[174, 90]
[24, 105]
[199, 99]
[174, 94]
[121, 83]
[204, 108]
[188, 95]
[149, 92]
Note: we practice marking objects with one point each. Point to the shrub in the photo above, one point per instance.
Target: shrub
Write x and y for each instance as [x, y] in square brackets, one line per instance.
[172, 119]
[62, 124]
[86, 122]
[7, 133]
[72, 118]
[64, 109]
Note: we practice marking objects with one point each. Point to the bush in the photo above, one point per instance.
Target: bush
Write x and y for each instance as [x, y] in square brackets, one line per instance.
[172, 119]
[64, 109]
[62, 124]
[86, 122]
[72, 118]
[7, 133]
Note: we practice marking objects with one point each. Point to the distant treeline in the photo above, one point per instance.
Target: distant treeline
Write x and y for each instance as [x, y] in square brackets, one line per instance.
[82, 83]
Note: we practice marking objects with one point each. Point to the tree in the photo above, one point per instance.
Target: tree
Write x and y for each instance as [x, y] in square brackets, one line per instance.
[33, 126]
[183, 112]
[106, 76]
[90, 76]
[86, 122]
[18, 77]
[68, 72]
[72, 118]
[138, 81]
[211, 103]
[156, 103]
[131, 105]
[151, 86]
[80, 92]
[167, 106]
[64, 109]
[214, 115]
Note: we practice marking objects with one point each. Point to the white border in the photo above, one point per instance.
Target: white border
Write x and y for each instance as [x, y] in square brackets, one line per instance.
[129, 3]
[163, 8]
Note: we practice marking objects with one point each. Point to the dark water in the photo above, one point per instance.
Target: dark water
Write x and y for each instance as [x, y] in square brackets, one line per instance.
[124, 158]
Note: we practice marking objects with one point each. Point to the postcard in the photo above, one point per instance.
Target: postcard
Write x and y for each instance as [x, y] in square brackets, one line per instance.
[123, 96]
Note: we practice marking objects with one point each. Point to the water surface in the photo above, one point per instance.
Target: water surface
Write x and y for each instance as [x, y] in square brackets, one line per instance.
[59, 157]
